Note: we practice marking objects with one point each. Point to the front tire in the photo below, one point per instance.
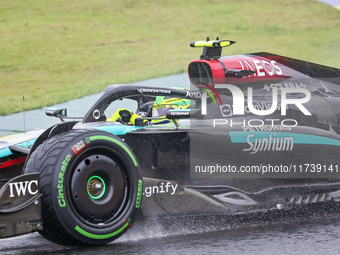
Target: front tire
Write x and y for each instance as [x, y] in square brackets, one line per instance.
[90, 185]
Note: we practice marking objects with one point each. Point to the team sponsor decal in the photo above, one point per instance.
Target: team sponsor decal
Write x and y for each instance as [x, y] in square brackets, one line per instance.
[162, 188]
[326, 91]
[269, 143]
[180, 113]
[194, 94]
[20, 188]
[280, 86]
[295, 138]
[261, 67]
[150, 90]
[272, 128]
[60, 187]
[264, 141]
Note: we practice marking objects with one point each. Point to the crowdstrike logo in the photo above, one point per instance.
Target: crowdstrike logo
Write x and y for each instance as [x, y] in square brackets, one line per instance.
[151, 90]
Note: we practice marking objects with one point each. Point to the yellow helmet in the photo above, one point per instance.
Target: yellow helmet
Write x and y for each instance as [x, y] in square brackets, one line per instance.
[163, 104]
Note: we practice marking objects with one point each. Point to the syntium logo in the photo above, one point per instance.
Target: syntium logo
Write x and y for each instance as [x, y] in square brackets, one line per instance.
[239, 107]
[269, 143]
[21, 188]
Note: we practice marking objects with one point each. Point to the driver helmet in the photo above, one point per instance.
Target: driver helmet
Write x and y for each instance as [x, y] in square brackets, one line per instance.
[163, 104]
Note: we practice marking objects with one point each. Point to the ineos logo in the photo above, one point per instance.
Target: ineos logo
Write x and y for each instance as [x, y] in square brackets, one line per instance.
[262, 67]
[20, 188]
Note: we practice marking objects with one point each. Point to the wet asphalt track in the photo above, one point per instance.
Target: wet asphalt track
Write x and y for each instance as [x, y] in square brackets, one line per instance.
[310, 235]
[313, 233]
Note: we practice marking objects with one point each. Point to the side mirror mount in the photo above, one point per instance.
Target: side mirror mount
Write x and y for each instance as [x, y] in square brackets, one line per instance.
[60, 113]
[57, 112]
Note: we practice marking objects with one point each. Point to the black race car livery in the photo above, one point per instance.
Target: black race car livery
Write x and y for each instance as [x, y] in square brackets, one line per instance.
[257, 132]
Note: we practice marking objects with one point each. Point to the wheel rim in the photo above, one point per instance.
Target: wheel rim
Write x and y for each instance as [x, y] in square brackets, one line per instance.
[99, 189]
[96, 187]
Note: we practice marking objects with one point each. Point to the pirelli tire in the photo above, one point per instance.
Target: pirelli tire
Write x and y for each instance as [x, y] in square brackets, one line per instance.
[90, 184]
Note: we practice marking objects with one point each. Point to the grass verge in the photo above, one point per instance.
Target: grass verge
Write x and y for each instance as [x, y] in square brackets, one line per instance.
[54, 51]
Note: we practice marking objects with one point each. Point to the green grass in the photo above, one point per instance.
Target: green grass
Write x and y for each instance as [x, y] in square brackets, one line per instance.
[54, 51]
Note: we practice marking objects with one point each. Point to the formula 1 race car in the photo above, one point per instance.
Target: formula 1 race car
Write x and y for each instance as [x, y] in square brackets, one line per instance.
[258, 132]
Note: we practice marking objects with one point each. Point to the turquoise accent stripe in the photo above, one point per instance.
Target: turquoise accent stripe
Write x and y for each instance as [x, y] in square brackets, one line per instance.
[118, 129]
[27, 143]
[6, 151]
[241, 137]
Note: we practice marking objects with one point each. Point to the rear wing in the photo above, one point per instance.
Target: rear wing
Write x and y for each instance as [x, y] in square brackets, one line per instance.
[213, 69]
[212, 49]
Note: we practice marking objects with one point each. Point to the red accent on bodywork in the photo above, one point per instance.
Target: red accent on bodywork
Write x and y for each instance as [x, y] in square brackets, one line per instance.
[13, 162]
[266, 68]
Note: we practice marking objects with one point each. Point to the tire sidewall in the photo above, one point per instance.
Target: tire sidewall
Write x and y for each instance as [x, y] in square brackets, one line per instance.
[63, 201]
